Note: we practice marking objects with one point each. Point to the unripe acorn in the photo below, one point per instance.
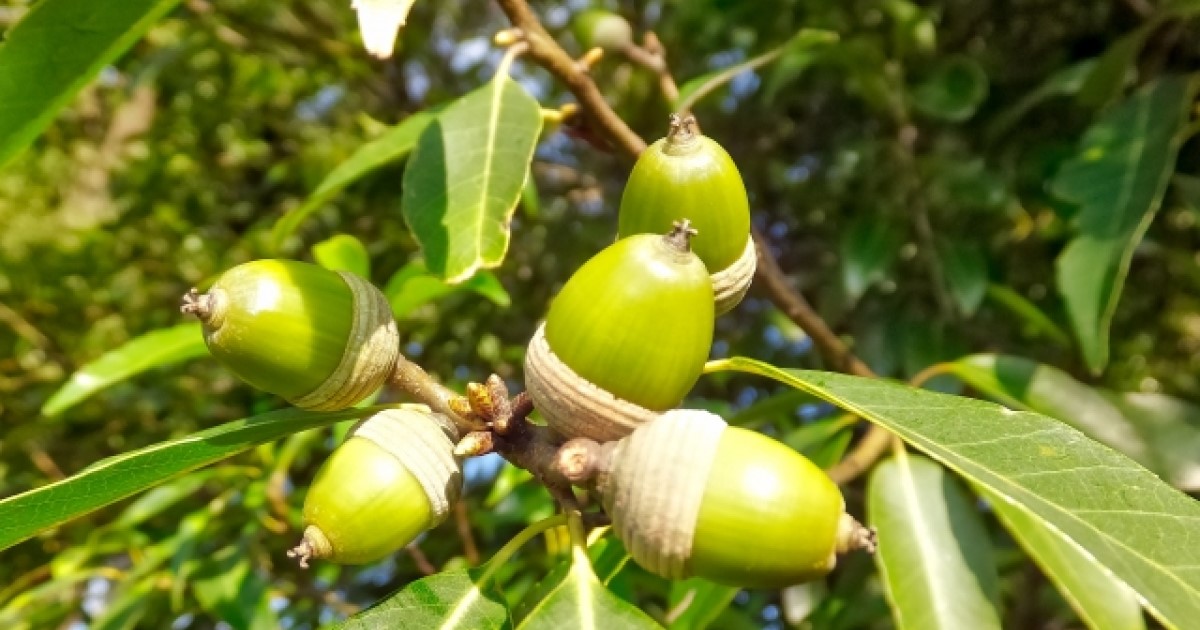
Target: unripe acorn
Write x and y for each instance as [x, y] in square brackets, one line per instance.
[627, 337]
[691, 496]
[394, 477]
[689, 175]
[321, 339]
[604, 29]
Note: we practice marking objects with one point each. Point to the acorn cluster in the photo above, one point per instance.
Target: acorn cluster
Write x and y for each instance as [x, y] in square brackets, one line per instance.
[622, 345]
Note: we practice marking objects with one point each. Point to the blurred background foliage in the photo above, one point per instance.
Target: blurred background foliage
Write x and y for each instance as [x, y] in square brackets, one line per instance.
[902, 174]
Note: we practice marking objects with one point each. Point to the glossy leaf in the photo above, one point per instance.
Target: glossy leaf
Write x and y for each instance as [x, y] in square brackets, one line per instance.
[1117, 178]
[1119, 512]
[466, 175]
[395, 144]
[1101, 601]
[56, 49]
[934, 553]
[342, 252]
[447, 600]
[154, 349]
[966, 274]
[1020, 383]
[695, 603]
[414, 286]
[953, 92]
[116, 478]
[580, 601]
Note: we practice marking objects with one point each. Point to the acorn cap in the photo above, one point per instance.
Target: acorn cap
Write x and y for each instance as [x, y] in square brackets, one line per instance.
[394, 477]
[323, 340]
[634, 322]
[690, 496]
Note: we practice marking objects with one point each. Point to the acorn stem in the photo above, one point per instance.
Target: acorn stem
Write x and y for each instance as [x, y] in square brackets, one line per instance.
[197, 304]
[681, 131]
[853, 536]
[680, 236]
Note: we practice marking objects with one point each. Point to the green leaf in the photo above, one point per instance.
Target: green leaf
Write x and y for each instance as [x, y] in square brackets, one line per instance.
[1063, 82]
[934, 553]
[1020, 383]
[1101, 601]
[824, 441]
[446, 600]
[56, 49]
[1037, 323]
[116, 478]
[342, 252]
[868, 248]
[466, 175]
[696, 603]
[413, 286]
[228, 586]
[797, 51]
[953, 92]
[154, 349]
[1110, 73]
[1172, 429]
[1119, 512]
[966, 274]
[126, 612]
[393, 145]
[581, 602]
[1117, 178]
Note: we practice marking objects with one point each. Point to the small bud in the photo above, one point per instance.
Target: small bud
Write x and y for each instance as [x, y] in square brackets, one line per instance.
[380, 21]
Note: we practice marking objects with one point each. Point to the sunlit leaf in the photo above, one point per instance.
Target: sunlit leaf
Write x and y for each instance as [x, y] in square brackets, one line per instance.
[1117, 178]
[466, 175]
[934, 553]
[56, 49]
[342, 252]
[154, 349]
[695, 603]
[580, 601]
[1122, 514]
[450, 600]
[395, 144]
[116, 478]
[413, 286]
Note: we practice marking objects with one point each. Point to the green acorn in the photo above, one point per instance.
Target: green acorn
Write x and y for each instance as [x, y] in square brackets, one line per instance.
[688, 174]
[394, 477]
[691, 496]
[627, 337]
[323, 340]
[597, 28]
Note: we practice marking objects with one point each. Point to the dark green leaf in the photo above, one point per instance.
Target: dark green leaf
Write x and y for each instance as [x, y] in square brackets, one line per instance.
[955, 89]
[395, 144]
[1037, 323]
[868, 248]
[966, 273]
[116, 478]
[342, 252]
[153, 349]
[446, 600]
[1064, 82]
[1119, 512]
[466, 175]
[934, 553]
[56, 49]
[1117, 178]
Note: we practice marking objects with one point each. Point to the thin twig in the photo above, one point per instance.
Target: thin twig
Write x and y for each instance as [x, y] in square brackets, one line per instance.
[420, 559]
[652, 55]
[547, 53]
[462, 520]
